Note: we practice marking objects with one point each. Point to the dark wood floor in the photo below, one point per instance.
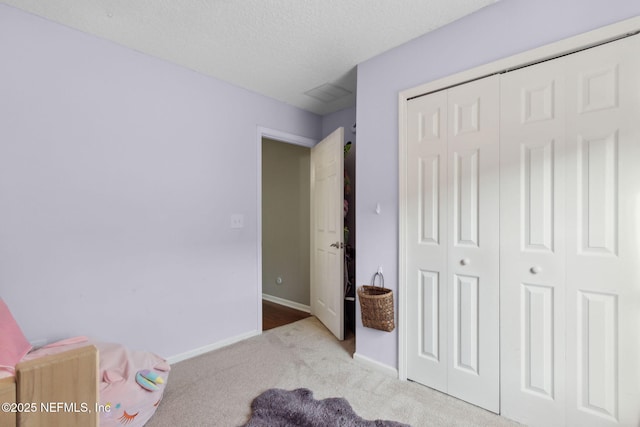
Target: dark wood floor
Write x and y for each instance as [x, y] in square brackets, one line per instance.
[274, 315]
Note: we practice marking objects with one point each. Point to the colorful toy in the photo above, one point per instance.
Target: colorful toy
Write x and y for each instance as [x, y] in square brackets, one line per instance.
[148, 380]
[152, 376]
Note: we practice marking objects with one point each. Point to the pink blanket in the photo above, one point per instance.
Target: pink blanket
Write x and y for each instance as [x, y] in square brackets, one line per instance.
[13, 344]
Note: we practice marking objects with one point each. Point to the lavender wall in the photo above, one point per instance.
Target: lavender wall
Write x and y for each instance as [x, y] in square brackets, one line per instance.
[503, 29]
[118, 176]
[345, 118]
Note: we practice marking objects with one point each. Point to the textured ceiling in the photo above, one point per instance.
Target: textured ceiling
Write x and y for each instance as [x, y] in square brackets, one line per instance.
[280, 48]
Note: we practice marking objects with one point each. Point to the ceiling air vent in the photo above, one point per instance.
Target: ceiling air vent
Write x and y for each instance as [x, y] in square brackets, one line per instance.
[327, 92]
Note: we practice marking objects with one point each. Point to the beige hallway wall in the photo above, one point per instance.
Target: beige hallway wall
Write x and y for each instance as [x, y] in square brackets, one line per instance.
[285, 220]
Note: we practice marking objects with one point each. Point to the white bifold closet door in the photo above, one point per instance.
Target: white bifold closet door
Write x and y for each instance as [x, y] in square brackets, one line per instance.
[570, 239]
[427, 295]
[532, 244]
[452, 242]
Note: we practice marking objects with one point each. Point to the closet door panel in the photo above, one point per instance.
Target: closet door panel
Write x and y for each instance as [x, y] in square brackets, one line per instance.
[603, 241]
[473, 223]
[426, 240]
[532, 294]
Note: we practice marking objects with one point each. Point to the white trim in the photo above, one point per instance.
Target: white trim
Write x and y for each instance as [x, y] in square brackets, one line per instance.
[289, 138]
[207, 348]
[402, 229]
[375, 365]
[287, 303]
[552, 50]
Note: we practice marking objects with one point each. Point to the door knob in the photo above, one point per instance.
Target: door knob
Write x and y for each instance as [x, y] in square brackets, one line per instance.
[535, 269]
[464, 261]
[338, 245]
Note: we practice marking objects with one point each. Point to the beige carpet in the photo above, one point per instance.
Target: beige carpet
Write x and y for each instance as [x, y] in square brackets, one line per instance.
[216, 389]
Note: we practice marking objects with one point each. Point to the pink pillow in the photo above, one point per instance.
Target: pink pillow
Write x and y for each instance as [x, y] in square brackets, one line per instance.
[13, 344]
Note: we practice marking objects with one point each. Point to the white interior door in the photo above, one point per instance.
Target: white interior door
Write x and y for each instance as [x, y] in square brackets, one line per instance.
[426, 240]
[570, 239]
[532, 263]
[603, 235]
[452, 242]
[327, 225]
[473, 263]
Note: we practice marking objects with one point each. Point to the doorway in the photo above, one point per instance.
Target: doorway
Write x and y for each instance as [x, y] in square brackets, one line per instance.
[285, 139]
[283, 282]
[285, 232]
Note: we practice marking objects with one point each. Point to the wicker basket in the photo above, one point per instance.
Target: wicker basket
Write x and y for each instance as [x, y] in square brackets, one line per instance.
[376, 305]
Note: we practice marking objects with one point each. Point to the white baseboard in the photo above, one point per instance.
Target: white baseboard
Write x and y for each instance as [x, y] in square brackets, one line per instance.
[374, 364]
[207, 348]
[287, 303]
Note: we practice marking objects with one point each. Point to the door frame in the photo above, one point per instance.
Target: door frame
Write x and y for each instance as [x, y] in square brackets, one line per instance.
[563, 47]
[287, 138]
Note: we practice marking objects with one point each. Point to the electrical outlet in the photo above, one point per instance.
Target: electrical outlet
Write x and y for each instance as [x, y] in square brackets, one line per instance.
[237, 221]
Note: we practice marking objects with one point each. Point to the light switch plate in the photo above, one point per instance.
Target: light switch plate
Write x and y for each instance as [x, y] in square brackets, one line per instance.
[237, 221]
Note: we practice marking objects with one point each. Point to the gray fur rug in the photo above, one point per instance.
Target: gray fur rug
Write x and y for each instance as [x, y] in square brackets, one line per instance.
[281, 408]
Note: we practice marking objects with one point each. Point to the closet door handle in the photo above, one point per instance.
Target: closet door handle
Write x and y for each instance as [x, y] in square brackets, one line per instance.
[465, 261]
[535, 269]
[339, 245]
